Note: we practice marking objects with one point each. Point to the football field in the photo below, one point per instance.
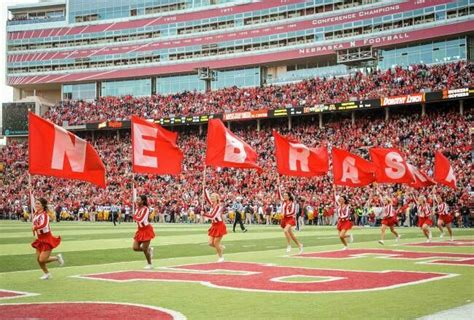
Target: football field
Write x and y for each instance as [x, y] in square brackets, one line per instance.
[104, 278]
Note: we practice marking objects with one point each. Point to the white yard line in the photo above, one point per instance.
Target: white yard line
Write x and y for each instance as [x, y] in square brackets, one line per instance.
[465, 312]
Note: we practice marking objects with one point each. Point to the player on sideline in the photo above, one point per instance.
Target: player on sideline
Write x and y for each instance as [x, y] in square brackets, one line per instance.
[389, 220]
[218, 228]
[344, 223]
[288, 221]
[145, 233]
[424, 216]
[46, 242]
[444, 217]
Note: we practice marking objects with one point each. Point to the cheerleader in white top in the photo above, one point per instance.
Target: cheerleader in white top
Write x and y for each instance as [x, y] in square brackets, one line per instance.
[344, 223]
[424, 216]
[445, 218]
[288, 220]
[145, 232]
[45, 242]
[218, 228]
[389, 219]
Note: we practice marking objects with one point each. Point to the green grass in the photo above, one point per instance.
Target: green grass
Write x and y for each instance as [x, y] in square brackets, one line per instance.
[101, 247]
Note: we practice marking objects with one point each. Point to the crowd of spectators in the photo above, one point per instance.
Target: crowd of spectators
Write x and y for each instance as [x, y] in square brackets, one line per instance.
[357, 86]
[179, 198]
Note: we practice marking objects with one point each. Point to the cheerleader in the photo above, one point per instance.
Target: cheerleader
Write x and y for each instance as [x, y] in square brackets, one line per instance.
[218, 228]
[444, 217]
[389, 220]
[145, 233]
[288, 220]
[424, 217]
[344, 223]
[46, 242]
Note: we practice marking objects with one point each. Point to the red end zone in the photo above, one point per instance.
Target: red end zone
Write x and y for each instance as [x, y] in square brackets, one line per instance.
[268, 278]
[434, 257]
[455, 243]
[86, 310]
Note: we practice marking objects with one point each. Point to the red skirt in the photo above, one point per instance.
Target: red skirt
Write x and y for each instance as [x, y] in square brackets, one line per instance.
[390, 221]
[344, 225]
[46, 242]
[287, 221]
[217, 229]
[422, 221]
[446, 218]
[144, 234]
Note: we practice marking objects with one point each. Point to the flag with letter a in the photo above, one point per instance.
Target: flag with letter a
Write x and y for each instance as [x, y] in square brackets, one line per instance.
[154, 149]
[444, 172]
[54, 151]
[351, 170]
[225, 149]
[296, 159]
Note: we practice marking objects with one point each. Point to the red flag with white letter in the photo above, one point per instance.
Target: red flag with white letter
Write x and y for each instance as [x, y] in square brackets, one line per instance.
[391, 166]
[225, 149]
[154, 149]
[296, 159]
[53, 151]
[444, 172]
[351, 170]
[421, 178]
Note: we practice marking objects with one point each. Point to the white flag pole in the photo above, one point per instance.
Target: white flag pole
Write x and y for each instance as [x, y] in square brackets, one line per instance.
[32, 199]
[134, 193]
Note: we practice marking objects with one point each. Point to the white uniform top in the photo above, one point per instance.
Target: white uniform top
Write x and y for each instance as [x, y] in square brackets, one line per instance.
[141, 216]
[443, 208]
[41, 222]
[343, 212]
[388, 211]
[215, 215]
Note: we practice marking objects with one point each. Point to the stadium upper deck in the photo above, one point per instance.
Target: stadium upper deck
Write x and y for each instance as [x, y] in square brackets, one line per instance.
[82, 49]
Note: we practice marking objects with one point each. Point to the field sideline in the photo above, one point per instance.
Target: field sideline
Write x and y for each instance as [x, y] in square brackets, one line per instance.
[91, 248]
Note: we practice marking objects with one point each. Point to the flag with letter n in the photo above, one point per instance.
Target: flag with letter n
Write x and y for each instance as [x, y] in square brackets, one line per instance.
[54, 151]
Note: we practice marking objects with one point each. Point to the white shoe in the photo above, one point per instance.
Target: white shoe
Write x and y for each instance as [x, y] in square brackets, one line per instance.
[60, 260]
[397, 239]
[221, 259]
[430, 236]
[381, 242]
[351, 238]
[428, 240]
[288, 249]
[148, 267]
[301, 249]
[46, 276]
[344, 248]
[441, 236]
[452, 239]
[151, 252]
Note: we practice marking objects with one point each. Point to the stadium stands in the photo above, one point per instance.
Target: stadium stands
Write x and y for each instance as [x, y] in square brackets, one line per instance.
[359, 86]
[418, 136]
